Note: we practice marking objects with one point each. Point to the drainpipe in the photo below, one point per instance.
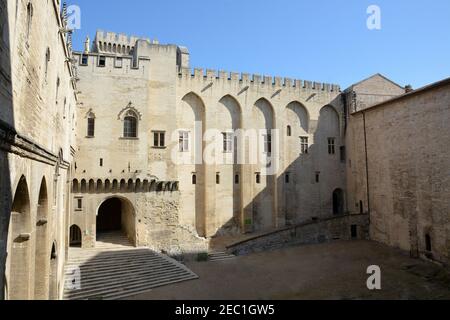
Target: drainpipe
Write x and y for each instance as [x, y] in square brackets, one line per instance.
[367, 164]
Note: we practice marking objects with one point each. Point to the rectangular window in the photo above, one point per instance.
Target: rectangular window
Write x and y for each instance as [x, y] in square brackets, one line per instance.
[236, 179]
[91, 127]
[101, 162]
[184, 141]
[267, 143]
[79, 204]
[331, 145]
[101, 61]
[159, 139]
[304, 145]
[317, 177]
[227, 142]
[217, 178]
[258, 178]
[84, 60]
[287, 178]
[118, 62]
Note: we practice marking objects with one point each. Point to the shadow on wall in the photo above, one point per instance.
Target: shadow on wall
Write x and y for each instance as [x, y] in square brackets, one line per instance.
[6, 130]
[310, 187]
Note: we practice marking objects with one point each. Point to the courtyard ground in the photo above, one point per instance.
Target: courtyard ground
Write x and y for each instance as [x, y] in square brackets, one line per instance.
[327, 271]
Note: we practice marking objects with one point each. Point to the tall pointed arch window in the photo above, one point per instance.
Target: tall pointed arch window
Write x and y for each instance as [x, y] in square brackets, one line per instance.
[130, 123]
[90, 125]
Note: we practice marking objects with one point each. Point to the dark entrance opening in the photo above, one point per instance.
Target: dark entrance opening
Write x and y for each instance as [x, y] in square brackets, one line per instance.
[109, 216]
[354, 231]
[338, 202]
[75, 236]
[428, 242]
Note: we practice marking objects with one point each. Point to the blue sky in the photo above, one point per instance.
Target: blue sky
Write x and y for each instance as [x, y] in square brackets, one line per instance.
[325, 41]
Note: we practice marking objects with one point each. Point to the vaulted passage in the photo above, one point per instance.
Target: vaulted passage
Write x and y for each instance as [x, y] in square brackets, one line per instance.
[115, 215]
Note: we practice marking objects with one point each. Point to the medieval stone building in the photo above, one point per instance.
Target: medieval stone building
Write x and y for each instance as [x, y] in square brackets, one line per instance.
[124, 136]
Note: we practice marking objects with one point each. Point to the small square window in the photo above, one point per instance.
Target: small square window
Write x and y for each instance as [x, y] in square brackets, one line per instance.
[84, 60]
[101, 61]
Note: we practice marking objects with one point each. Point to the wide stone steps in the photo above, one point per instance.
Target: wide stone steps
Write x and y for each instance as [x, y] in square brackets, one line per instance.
[220, 256]
[117, 271]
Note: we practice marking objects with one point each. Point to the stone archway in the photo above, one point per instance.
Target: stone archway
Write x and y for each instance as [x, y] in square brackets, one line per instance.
[41, 248]
[116, 215]
[19, 246]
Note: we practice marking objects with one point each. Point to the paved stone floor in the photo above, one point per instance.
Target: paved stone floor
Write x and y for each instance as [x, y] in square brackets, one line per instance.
[328, 271]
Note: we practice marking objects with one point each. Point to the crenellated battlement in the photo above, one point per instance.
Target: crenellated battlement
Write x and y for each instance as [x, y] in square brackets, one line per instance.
[111, 42]
[256, 79]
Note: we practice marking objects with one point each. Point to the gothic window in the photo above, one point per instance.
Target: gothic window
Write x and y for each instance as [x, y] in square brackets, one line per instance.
[267, 143]
[29, 20]
[227, 142]
[130, 125]
[304, 145]
[184, 141]
[91, 125]
[331, 145]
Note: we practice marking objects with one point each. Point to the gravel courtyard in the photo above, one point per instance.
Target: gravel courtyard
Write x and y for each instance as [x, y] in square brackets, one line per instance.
[327, 271]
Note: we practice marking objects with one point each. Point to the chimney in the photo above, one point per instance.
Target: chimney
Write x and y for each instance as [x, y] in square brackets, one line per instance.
[408, 88]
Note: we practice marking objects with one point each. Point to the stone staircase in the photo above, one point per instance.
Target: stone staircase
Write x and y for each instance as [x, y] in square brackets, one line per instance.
[220, 256]
[115, 270]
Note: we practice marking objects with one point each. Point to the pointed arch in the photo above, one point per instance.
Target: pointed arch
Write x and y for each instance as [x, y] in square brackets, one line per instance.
[264, 114]
[41, 261]
[297, 116]
[19, 248]
[328, 124]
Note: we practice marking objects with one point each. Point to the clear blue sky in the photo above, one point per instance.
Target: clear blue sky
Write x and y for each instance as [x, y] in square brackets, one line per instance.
[325, 41]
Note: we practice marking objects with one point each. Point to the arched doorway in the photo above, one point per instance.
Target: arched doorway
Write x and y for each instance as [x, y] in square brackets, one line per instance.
[338, 202]
[41, 247]
[19, 246]
[116, 215]
[75, 240]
